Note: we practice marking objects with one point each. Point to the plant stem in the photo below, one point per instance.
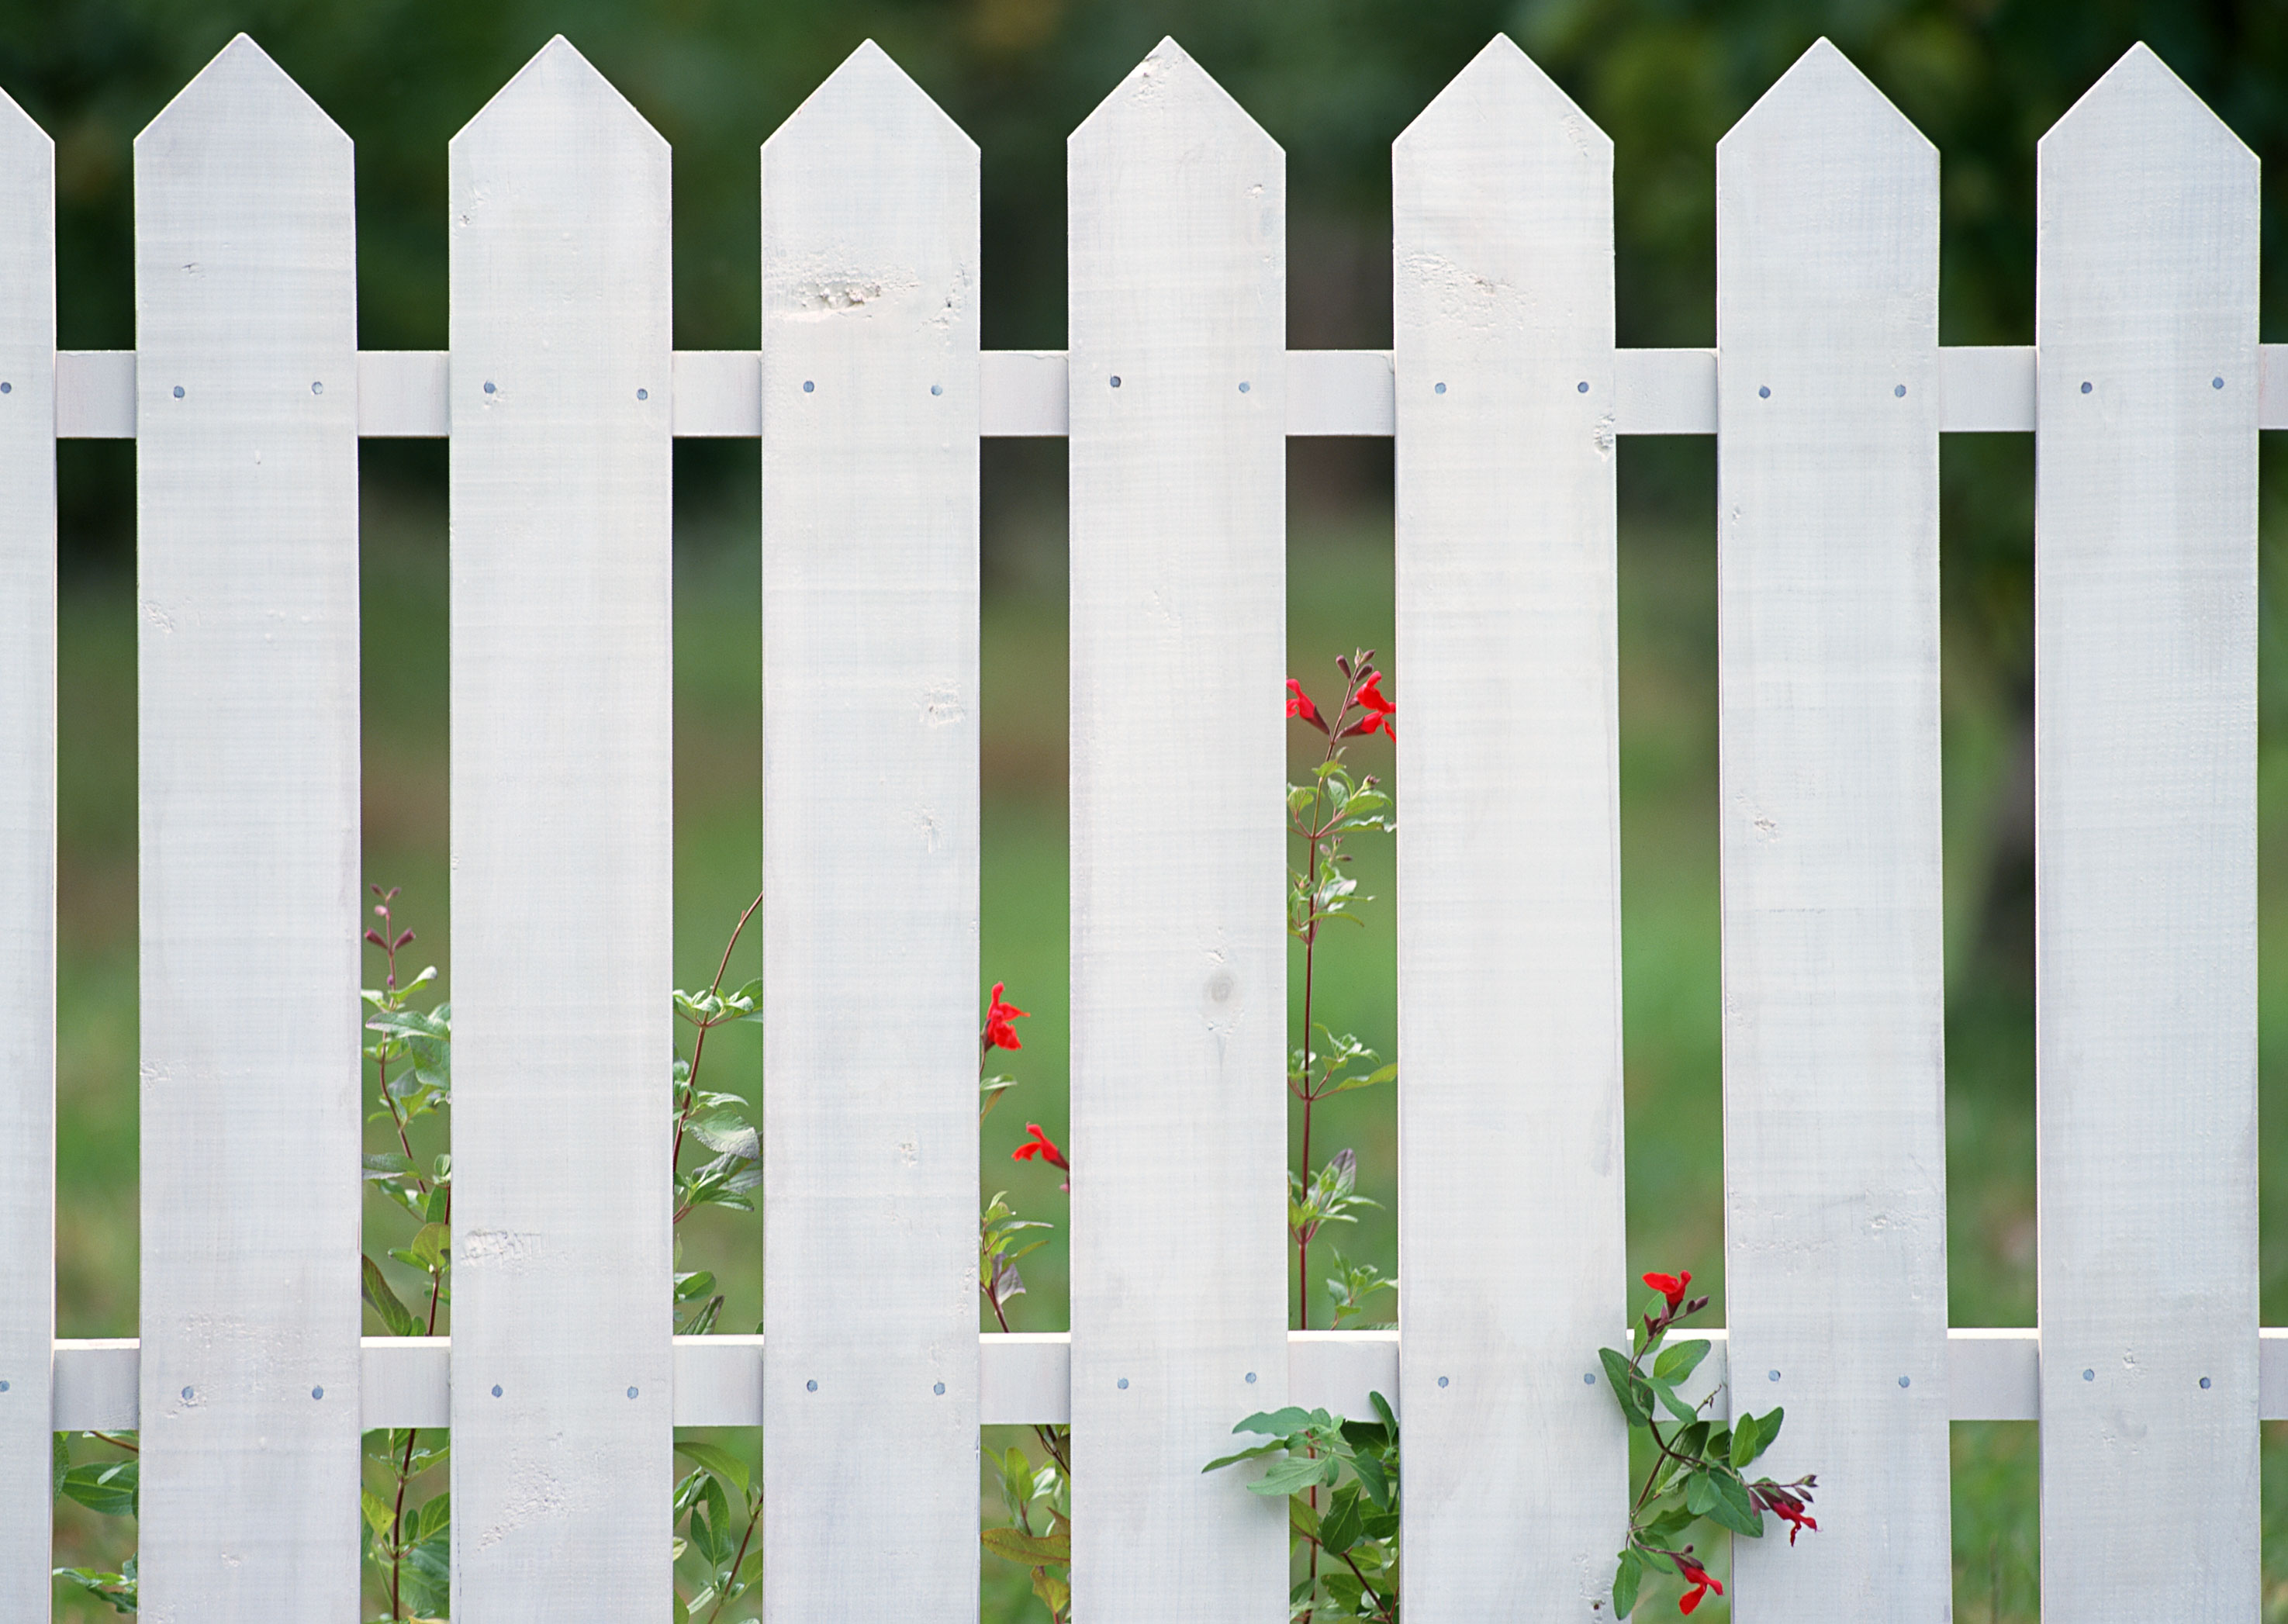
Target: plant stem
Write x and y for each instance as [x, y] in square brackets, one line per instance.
[753, 1516]
[699, 1043]
[1314, 831]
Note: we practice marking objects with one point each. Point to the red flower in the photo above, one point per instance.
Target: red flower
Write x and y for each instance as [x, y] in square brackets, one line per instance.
[998, 1032]
[1383, 713]
[1298, 704]
[1671, 1287]
[1041, 1145]
[1700, 1581]
[1789, 1510]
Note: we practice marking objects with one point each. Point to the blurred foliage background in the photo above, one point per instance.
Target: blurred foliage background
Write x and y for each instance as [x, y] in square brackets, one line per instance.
[1334, 81]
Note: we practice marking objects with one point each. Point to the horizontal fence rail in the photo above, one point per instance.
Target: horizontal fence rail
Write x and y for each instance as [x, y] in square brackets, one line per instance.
[406, 394]
[1025, 1377]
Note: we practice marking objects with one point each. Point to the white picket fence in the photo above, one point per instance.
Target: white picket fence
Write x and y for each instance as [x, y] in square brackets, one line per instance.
[1827, 392]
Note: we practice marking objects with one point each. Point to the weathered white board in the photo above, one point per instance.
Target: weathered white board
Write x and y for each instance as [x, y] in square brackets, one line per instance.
[1509, 995]
[870, 329]
[28, 854]
[2145, 626]
[561, 807]
[1827, 220]
[1177, 256]
[246, 678]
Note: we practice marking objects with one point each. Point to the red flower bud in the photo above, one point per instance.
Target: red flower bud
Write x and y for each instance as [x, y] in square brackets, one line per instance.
[1383, 712]
[1700, 1581]
[1670, 1286]
[1040, 1145]
[1299, 705]
[998, 1032]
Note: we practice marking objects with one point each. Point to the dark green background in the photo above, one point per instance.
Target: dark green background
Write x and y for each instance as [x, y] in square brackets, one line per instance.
[1333, 81]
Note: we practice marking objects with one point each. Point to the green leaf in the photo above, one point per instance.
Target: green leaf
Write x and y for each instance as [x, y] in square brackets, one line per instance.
[728, 1134]
[1277, 1447]
[107, 1487]
[1028, 1549]
[1680, 1360]
[1733, 1509]
[378, 1514]
[1674, 1405]
[1621, 1380]
[1279, 1423]
[1700, 1493]
[435, 1518]
[1055, 1593]
[393, 1313]
[1372, 1479]
[433, 1247]
[1338, 1531]
[1767, 1429]
[1626, 1579]
[1296, 1473]
[722, 1463]
[1300, 1518]
[1746, 1441]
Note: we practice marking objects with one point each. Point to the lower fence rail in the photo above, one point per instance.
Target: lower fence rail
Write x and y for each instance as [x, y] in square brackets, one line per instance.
[1026, 1377]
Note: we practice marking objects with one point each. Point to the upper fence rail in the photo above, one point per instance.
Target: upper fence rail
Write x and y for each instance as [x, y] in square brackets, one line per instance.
[406, 394]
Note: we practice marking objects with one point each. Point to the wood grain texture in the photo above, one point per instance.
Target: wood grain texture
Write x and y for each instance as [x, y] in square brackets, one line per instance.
[561, 809]
[1834, 988]
[869, 328]
[2145, 626]
[1509, 994]
[247, 717]
[27, 855]
[1178, 264]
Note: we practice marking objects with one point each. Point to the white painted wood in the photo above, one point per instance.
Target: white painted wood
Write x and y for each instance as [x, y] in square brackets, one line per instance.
[719, 394]
[95, 1385]
[2145, 628]
[1986, 390]
[28, 854]
[561, 774]
[1177, 255]
[1022, 392]
[1665, 391]
[1025, 1376]
[1509, 1012]
[870, 320]
[1340, 392]
[404, 393]
[1834, 990]
[248, 742]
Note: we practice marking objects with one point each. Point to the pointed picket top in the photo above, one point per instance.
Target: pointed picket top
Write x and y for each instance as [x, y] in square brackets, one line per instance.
[2142, 98]
[870, 92]
[1825, 101]
[1166, 84]
[1504, 89]
[558, 88]
[21, 133]
[240, 82]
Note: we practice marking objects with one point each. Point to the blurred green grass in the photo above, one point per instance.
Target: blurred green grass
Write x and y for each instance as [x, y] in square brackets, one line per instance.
[1339, 597]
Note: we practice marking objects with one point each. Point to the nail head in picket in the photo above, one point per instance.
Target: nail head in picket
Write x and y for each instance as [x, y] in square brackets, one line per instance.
[4, 1387]
[179, 391]
[1441, 1381]
[317, 1392]
[316, 387]
[811, 1386]
[632, 1392]
[1438, 388]
[2089, 1375]
[1243, 388]
[1763, 392]
[186, 1395]
[1582, 387]
[7, 388]
[809, 386]
[1121, 1384]
[937, 389]
[1588, 1378]
[2205, 1384]
[2216, 382]
[938, 1388]
[488, 387]
[1771, 1375]
[1251, 1376]
[1116, 380]
[1905, 1382]
[643, 394]
[496, 1393]
[1900, 389]
[2086, 387]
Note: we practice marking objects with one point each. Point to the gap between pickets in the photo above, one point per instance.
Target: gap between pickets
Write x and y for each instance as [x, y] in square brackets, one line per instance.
[1027, 1377]
[718, 393]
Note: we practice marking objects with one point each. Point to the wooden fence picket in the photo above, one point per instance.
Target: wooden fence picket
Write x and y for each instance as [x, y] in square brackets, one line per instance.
[562, 409]
[869, 381]
[1177, 258]
[2145, 628]
[1834, 991]
[248, 757]
[27, 855]
[1509, 993]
